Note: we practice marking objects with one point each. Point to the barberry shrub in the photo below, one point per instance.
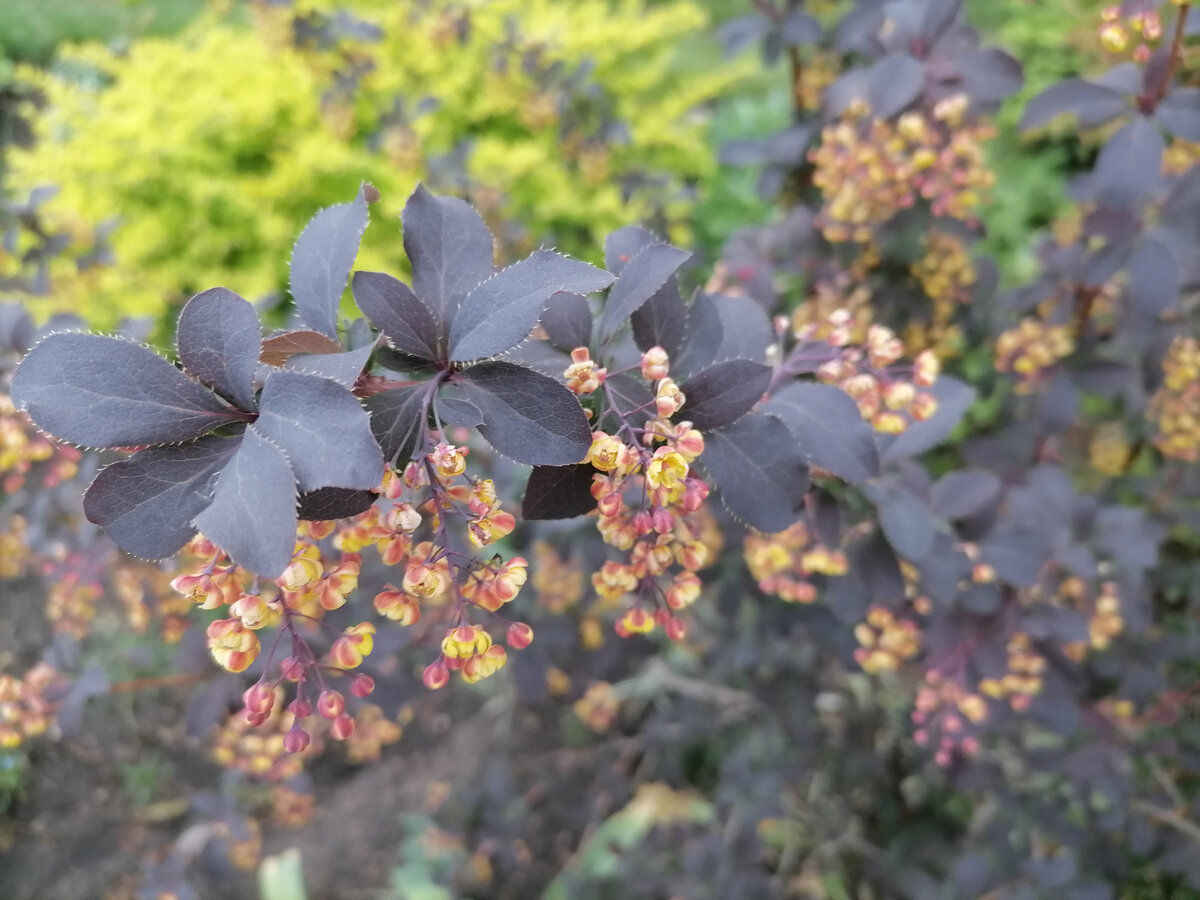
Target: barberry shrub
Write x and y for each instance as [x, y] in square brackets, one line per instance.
[981, 677]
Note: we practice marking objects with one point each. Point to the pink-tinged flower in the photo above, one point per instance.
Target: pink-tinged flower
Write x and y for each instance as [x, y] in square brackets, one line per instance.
[232, 644]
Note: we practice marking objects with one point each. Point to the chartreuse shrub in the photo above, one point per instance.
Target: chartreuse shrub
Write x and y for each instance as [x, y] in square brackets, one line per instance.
[575, 118]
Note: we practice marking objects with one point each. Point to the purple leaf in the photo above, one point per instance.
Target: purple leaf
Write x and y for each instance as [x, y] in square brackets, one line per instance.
[326, 504]
[724, 392]
[449, 247]
[1092, 105]
[527, 416]
[567, 321]
[147, 503]
[219, 341]
[394, 309]
[398, 419]
[662, 320]
[954, 399]
[722, 327]
[939, 15]
[1179, 113]
[905, 521]
[1128, 165]
[758, 470]
[322, 259]
[624, 244]
[965, 493]
[825, 421]
[499, 313]
[893, 83]
[107, 392]
[1017, 555]
[1153, 278]
[990, 75]
[645, 273]
[558, 492]
[252, 516]
[16, 328]
[342, 368]
[323, 429]
[631, 398]
[453, 411]
[799, 28]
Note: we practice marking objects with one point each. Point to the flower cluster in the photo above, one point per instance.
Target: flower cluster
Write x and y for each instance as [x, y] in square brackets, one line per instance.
[1105, 621]
[22, 448]
[783, 563]
[885, 641]
[1031, 350]
[259, 748]
[1175, 407]
[598, 707]
[1023, 680]
[871, 169]
[557, 583]
[71, 601]
[648, 503]
[947, 716]
[946, 273]
[1135, 34]
[26, 705]
[888, 395]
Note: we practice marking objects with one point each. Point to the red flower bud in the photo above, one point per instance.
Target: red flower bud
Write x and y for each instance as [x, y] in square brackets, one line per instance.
[331, 704]
[296, 740]
[362, 685]
[342, 727]
[519, 635]
[436, 675]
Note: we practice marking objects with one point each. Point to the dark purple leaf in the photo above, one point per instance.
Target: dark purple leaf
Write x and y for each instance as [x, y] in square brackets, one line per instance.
[1091, 104]
[327, 504]
[799, 29]
[499, 313]
[558, 492]
[893, 83]
[743, 153]
[1179, 113]
[642, 276]
[875, 563]
[829, 428]
[394, 309]
[724, 392]
[16, 328]
[857, 31]
[252, 516]
[527, 416]
[147, 503]
[279, 348]
[541, 356]
[1017, 555]
[398, 419]
[343, 368]
[106, 392]
[990, 75]
[1128, 536]
[758, 470]
[631, 397]
[449, 247]
[824, 516]
[219, 341]
[624, 244]
[954, 399]
[738, 34]
[1153, 278]
[965, 493]
[722, 327]
[323, 429]
[322, 259]
[1058, 409]
[662, 320]
[567, 321]
[91, 682]
[939, 15]
[453, 411]
[906, 522]
[1128, 165]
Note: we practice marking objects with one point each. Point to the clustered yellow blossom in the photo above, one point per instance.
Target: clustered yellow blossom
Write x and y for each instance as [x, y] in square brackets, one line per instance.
[783, 563]
[871, 169]
[947, 715]
[27, 705]
[1031, 350]
[1023, 680]
[1175, 407]
[662, 532]
[885, 641]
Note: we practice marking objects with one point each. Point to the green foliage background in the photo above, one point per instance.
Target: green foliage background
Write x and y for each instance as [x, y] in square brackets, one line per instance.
[245, 136]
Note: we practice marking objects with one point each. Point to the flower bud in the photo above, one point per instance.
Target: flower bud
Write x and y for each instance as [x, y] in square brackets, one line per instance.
[296, 740]
[519, 635]
[331, 704]
[436, 675]
[342, 727]
[363, 685]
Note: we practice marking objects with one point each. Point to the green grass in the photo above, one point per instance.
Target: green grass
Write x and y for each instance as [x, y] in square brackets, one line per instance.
[31, 30]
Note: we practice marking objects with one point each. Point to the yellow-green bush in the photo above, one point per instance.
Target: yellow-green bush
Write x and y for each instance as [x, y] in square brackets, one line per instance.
[215, 147]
